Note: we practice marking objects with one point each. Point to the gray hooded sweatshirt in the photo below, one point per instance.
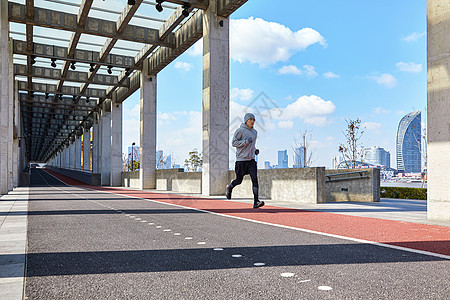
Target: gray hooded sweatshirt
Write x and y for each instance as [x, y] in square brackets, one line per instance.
[244, 150]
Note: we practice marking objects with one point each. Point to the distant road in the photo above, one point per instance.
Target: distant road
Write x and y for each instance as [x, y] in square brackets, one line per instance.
[404, 184]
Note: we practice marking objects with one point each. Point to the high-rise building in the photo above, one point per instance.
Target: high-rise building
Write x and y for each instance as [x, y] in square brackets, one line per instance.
[408, 144]
[300, 157]
[283, 159]
[378, 156]
[168, 164]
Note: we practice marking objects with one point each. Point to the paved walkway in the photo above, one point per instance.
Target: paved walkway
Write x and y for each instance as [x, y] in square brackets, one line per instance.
[13, 238]
[89, 242]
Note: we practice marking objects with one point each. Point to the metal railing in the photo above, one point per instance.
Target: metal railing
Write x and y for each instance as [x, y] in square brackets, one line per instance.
[361, 176]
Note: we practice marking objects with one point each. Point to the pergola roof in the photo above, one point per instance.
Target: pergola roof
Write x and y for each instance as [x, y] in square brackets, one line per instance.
[70, 57]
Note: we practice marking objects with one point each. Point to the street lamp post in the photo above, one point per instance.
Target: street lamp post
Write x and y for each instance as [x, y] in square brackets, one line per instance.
[132, 152]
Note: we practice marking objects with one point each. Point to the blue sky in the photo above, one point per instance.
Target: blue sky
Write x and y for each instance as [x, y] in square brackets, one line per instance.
[319, 61]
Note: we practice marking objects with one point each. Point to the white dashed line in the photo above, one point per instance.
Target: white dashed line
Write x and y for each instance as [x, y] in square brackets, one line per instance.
[201, 243]
[177, 234]
[151, 223]
[287, 274]
[307, 280]
[259, 264]
[167, 230]
[143, 221]
[218, 249]
[158, 226]
[236, 255]
[138, 219]
[325, 288]
[188, 238]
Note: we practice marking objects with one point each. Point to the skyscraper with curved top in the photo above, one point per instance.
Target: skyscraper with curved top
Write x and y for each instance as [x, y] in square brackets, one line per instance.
[409, 139]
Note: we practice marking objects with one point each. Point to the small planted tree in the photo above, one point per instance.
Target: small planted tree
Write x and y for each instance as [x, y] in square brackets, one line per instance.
[352, 150]
[194, 162]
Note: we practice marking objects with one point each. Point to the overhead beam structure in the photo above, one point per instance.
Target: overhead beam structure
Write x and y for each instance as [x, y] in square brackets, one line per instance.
[57, 103]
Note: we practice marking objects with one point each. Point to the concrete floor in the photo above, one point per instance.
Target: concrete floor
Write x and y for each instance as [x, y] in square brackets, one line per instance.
[86, 244]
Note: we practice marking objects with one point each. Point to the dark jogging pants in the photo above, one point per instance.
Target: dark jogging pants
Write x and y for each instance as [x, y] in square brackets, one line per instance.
[243, 168]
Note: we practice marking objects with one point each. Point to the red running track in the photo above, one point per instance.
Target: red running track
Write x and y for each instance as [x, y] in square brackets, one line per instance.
[417, 236]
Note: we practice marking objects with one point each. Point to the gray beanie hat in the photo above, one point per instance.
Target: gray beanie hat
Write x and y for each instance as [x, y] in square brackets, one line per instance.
[248, 116]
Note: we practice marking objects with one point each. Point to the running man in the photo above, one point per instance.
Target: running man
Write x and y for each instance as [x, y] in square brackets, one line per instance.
[244, 140]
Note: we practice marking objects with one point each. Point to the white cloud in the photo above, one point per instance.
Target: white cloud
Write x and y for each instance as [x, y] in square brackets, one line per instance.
[131, 127]
[310, 71]
[371, 125]
[330, 138]
[184, 66]
[241, 94]
[133, 113]
[311, 109]
[413, 37]
[290, 70]
[330, 75]
[385, 79]
[265, 43]
[286, 124]
[409, 67]
[380, 110]
[197, 48]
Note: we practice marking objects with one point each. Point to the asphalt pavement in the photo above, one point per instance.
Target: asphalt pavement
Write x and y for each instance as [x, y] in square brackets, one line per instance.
[86, 244]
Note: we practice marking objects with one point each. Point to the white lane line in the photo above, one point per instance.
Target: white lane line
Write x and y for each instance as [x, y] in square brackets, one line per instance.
[177, 233]
[167, 230]
[287, 274]
[325, 288]
[158, 226]
[307, 280]
[259, 264]
[188, 238]
[151, 223]
[138, 219]
[236, 255]
[218, 249]
[143, 221]
[201, 243]
[361, 241]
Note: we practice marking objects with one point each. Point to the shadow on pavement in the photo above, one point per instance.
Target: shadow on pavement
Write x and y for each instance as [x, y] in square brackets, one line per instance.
[103, 262]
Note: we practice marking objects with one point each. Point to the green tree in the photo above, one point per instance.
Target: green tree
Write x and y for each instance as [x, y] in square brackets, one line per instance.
[194, 162]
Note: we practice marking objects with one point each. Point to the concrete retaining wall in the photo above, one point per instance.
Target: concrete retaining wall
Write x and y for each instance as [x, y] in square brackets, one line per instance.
[177, 180]
[303, 185]
[363, 187]
[86, 177]
[130, 179]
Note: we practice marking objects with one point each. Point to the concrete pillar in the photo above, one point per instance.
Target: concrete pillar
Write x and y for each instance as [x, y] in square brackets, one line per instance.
[106, 145]
[148, 115]
[78, 153]
[16, 126]
[95, 146]
[4, 96]
[71, 156]
[438, 74]
[87, 150]
[116, 144]
[11, 118]
[216, 104]
[66, 158]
